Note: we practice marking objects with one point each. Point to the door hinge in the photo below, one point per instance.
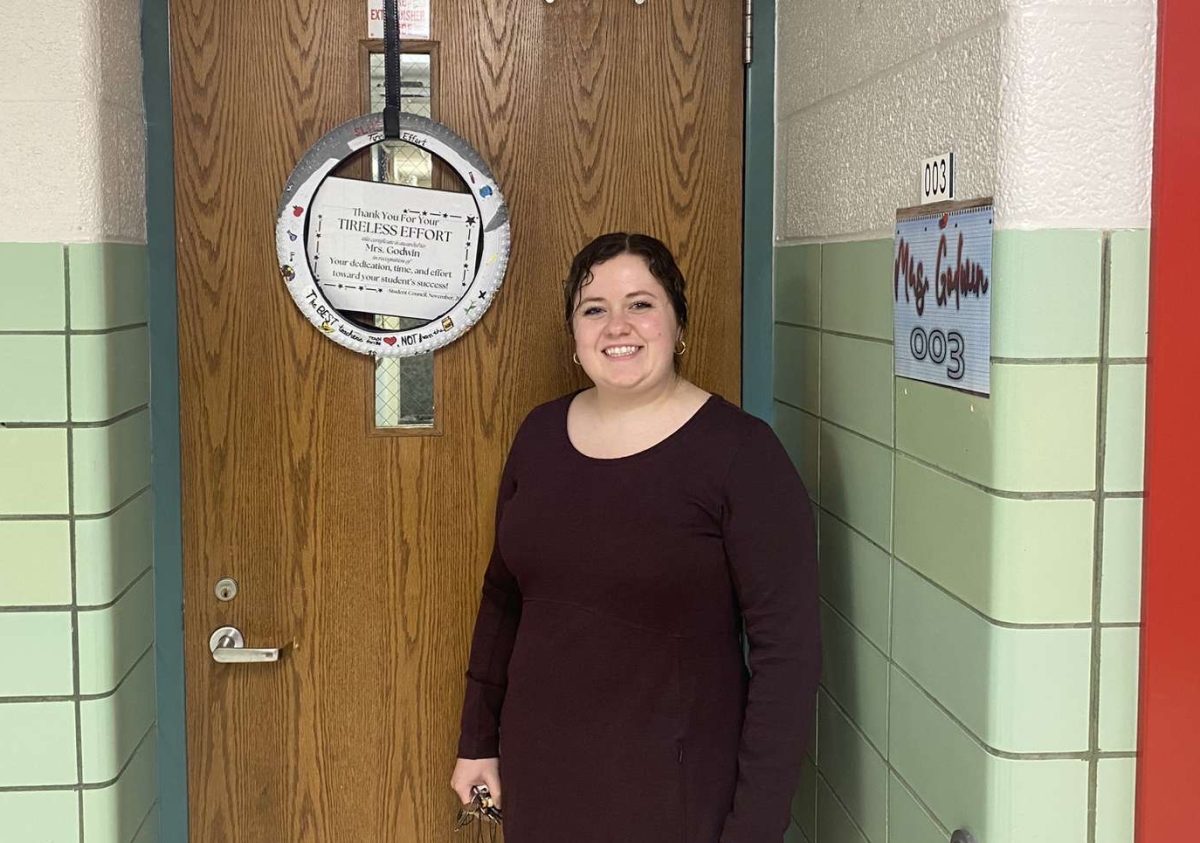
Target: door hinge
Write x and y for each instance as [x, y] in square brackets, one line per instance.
[749, 34]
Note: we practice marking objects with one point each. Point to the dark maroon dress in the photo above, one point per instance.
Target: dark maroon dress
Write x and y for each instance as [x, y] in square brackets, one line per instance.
[607, 669]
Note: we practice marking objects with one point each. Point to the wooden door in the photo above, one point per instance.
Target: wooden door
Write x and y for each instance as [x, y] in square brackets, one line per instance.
[360, 552]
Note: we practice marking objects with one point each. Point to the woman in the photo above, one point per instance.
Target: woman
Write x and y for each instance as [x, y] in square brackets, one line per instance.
[639, 523]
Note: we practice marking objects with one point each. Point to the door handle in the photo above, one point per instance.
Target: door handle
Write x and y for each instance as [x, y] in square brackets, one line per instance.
[228, 647]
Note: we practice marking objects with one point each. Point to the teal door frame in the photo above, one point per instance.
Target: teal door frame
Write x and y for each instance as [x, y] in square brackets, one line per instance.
[164, 423]
[758, 220]
[757, 366]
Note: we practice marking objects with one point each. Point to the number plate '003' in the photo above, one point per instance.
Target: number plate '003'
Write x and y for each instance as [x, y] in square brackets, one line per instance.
[937, 179]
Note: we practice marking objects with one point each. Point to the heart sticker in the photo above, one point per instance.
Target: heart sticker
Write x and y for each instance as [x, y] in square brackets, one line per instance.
[390, 340]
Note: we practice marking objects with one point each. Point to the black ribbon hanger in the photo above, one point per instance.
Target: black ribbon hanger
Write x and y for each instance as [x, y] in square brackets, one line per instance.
[391, 70]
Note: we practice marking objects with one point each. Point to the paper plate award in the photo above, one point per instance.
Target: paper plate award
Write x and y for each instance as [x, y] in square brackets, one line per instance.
[350, 248]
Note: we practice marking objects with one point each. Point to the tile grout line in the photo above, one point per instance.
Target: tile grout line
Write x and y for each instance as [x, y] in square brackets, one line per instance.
[889, 767]
[145, 819]
[82, 332]
[820, 325]
[891, 610]
[842, 616]
[75, 667]
[988, 749]
[872, 645]
[800, 829]
[940, 707]
[81, 425]
[1098, 536]
[951, 594]
[999, 624]
[1067, 361]
[97, 516]
[846, 808]
[98, 607]
[81, 788]
[849, 335]
[1003, 494]
[82, 698]
[816, 729]
[916, 797]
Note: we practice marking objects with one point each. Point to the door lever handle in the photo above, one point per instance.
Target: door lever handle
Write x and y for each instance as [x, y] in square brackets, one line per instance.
[228, 647]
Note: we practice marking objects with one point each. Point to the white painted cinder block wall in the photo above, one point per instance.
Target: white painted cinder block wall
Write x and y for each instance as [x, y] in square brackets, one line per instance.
[73, 138]
[1047, 105]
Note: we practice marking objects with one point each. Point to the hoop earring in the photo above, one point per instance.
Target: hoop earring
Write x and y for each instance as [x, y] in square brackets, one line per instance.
[575, 357]
[683, 343]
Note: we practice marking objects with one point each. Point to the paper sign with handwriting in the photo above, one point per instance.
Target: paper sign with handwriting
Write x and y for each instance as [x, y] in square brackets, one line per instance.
[941, 285]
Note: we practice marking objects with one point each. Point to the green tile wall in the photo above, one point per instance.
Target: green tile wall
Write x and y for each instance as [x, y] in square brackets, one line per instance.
[961, 658]
[40, 815]
[795, 834]
[33, 379]
[1016, 560]
[37, 458]
[980, 557]
[35, 562]
[854, 768]
[123, 808]
[799, 431]
[1129, 284]
[855, 676]
[33, 287]
[1121, 560]
[804, 803]
[1040, 438]
[36, 658]
[834, 824]
[908, 819]
[1041, 277]
[965, 785]
[856, 482]
[855, 579]
[1114, 800]
[111, 551]
[77, 704]
[801, 346]
[856, 385]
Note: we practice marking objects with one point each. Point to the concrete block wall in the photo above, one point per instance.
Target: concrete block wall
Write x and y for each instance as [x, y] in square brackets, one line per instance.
[980, 556]
[77, 704]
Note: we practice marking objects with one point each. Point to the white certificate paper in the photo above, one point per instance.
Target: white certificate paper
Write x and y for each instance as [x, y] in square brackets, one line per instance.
[392, 249]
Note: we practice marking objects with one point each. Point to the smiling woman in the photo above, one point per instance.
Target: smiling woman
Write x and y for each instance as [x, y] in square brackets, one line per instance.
[644, 526]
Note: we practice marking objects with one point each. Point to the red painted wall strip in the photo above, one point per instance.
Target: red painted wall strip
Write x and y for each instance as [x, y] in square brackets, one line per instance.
[1169, 714]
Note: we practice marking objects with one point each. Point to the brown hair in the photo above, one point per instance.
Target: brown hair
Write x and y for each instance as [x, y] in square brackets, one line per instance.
[608, 246]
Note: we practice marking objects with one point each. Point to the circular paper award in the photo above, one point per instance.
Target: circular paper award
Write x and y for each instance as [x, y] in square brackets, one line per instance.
[351, 249]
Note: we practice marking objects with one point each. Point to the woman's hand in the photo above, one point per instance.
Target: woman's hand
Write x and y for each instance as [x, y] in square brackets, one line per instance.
[469, 772]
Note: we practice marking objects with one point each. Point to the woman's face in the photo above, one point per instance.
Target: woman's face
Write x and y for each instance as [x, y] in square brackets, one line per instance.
[625, 327]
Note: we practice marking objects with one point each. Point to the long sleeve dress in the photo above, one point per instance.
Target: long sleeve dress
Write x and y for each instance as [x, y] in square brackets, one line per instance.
[607, 667]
